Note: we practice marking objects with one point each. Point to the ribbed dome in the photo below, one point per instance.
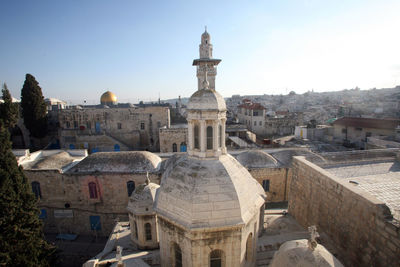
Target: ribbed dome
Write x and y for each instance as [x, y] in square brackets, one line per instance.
[108, 98]
[198, 193]
[206, 99]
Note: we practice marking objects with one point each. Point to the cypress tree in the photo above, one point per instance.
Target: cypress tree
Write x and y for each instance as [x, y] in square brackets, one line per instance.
[21, 238]
[33, 107]
[9, 111]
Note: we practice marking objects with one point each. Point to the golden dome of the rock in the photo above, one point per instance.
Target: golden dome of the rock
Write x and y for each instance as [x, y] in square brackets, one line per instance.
[108, 98]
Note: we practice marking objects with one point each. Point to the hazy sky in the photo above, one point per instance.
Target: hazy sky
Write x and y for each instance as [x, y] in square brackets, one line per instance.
[140, 49]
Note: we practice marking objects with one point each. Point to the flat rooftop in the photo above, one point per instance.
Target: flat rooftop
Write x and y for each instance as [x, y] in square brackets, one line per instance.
[376, 172]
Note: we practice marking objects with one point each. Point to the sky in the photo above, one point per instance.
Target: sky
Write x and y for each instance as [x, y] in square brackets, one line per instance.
[143, 50]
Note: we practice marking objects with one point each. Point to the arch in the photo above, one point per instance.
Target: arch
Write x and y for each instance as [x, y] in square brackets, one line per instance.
[183, 147]
[130, 186]
[147, 230]
[92, 190]
[196, 137]
[217, 258]
[176, 255]
[249, 248]
[174, 147]
[209, 137]
[36, 189]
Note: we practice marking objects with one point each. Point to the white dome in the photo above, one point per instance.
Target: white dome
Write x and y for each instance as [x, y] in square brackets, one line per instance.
[198, 193]
[206, 99]
[297, 253]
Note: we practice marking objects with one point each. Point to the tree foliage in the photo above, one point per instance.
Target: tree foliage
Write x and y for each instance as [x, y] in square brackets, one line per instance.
[21, 239]
[33, 107]
[9, 111]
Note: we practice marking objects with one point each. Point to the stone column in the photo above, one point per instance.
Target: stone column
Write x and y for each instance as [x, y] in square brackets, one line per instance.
[215, 135]
[223, 147]
[203, 136]
[190, 137]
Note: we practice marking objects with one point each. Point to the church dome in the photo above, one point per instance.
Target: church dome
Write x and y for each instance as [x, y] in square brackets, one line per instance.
[108, 98]
[197, 193]
[256, 159]
[206, 99]
[142, 199]
[298, 253]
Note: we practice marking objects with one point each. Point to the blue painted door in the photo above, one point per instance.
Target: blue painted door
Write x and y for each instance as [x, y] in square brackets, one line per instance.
[117, 147]
[183, 148]
[71, 146]
[95, 223]
[98, 128]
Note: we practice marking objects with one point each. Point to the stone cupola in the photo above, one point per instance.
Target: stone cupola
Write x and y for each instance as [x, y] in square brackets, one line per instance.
[206, 115]
[142, 217]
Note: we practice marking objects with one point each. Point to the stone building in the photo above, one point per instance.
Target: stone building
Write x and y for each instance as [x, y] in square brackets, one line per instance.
[112, 126]
[253, 116]
[174, 138]
[356, 130]
[208, 206]
[85, 195]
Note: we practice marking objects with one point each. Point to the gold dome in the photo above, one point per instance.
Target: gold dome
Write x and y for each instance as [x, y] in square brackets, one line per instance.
[108, 98]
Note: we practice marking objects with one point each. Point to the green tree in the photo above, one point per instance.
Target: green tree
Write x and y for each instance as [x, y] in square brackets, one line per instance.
[21, 238]
[33, 107]
[9, 111]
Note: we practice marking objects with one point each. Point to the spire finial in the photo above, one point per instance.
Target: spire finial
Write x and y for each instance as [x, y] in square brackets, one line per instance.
[147, 178]
[205, 27]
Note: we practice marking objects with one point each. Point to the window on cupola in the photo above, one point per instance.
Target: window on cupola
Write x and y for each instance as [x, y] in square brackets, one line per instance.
[196, 137]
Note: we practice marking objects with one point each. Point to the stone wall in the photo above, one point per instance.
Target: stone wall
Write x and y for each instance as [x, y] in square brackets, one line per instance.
[66, 200]
[360, 226]
[279, 179]
[135, 127]
[170, 136]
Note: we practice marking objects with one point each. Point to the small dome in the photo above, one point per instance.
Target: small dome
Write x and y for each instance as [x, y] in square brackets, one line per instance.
[108, 98]
[206, 99]
[256, 159]
[142, 199]
[297, 253]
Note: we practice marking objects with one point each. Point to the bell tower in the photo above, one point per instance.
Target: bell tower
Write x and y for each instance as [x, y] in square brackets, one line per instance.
[206, 63]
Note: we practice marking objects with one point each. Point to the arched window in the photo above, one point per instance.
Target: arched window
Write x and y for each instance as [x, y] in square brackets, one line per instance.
[92, 190]
[174, 148]
[249, 247]
[36, 189]
[217, 258]
[147, 229]
[209, 137]
[196, 137]
[183, 147]
[220, 135]
[177, 255]
[130, 185]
